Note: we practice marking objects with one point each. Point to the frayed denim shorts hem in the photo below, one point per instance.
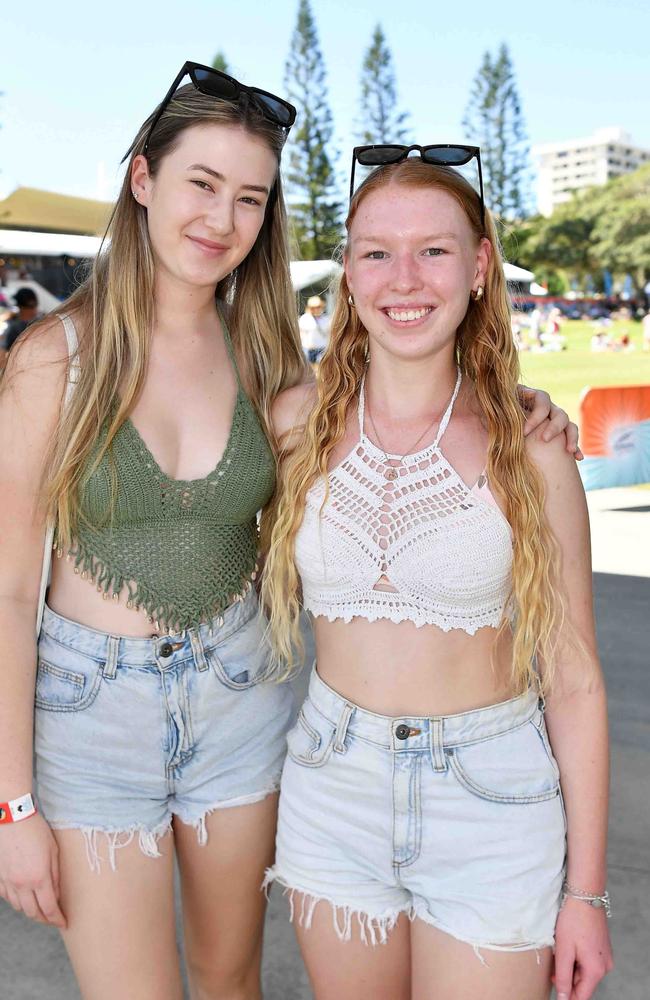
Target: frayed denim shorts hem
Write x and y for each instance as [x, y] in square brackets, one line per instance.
[455, 820]
[148, 840]
[421, 912]
[132, 732]
[374, 928]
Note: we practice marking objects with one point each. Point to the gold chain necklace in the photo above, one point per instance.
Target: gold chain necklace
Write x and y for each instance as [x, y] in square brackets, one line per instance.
[391, 470]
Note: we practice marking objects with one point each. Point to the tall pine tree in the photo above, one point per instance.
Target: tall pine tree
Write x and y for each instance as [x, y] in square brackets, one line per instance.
[494, 121]
[219, 62]
[380, 120]
[314, 206]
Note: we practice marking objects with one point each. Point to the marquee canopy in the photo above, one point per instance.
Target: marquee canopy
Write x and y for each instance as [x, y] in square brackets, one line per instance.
[46, 211]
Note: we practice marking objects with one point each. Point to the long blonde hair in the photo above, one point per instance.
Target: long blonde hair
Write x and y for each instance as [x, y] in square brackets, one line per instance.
[115, 307]
[487, 357]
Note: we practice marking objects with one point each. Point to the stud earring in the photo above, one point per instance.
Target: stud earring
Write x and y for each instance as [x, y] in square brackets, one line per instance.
[135, 195]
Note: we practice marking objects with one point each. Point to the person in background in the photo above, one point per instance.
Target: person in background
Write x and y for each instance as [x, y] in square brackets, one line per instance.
[27, 302]
[553, 321]
[314, 329]
[600, 342]
[535, 327]
[552, 339]
[645, 325]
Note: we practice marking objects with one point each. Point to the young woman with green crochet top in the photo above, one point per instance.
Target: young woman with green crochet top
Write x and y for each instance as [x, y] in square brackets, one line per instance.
[137, 422]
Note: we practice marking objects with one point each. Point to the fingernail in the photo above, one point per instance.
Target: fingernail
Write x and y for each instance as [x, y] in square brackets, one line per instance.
[563, 996]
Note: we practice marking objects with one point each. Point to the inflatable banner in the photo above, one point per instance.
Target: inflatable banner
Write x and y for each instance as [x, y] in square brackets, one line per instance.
[615, 436]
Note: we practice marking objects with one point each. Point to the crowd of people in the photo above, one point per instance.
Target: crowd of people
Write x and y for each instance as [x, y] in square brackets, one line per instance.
[443, 788]
[540, 330]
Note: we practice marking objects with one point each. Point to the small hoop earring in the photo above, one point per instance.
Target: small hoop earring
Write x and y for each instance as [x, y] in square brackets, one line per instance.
[477, 293]
[351, 302]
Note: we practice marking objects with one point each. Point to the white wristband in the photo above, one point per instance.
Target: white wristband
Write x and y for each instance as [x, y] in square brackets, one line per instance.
[17, 809]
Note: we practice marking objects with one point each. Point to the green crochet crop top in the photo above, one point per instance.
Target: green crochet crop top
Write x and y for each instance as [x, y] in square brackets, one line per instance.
[181, 550]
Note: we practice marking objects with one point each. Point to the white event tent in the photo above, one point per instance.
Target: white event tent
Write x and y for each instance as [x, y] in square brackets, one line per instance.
[31, 244]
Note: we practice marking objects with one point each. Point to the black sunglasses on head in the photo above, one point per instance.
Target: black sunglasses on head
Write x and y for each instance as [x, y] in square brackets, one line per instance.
[217, 84]
[441, 154]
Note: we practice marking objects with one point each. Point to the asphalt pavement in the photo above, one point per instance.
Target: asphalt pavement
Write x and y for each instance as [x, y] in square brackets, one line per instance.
[33, 963]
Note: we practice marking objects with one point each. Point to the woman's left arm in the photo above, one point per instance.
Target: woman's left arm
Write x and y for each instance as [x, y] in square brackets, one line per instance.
[576, 715]
[552, 421]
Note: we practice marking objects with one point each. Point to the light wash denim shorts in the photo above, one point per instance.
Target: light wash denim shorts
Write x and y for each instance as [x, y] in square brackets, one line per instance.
[129, 732]
[456, 820]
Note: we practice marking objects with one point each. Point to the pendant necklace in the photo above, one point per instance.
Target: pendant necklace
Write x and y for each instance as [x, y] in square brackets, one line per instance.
[392, 471]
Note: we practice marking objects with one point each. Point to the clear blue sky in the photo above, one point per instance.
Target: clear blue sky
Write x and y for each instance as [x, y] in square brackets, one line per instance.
[77, 79]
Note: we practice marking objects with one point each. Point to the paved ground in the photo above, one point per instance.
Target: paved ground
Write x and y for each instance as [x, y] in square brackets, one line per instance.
[33, 965]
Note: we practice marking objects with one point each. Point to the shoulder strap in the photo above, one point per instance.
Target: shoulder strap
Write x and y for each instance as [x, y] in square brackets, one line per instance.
[229, 344]
[74, 367]
[74, 370]
[361, 407]
[446, 417]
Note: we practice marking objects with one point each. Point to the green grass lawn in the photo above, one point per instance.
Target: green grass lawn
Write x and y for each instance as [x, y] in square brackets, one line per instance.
[566, 373]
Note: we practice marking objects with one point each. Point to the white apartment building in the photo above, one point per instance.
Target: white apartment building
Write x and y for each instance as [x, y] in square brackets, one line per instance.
[565, 167]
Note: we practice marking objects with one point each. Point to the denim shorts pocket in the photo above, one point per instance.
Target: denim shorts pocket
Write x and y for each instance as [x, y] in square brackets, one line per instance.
[515, 768]
[310, 741]
[540, 727]
[242, 659]
[70, 685]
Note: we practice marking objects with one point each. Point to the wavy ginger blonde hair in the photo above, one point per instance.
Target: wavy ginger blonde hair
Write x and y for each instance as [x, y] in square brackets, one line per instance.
[115, 306]
[487, 357]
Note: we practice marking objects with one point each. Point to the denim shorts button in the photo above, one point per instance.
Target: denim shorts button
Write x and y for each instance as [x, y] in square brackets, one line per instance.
[402, 732]
[166, 649]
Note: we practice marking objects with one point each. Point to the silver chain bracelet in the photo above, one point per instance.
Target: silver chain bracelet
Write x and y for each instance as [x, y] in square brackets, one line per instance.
[598, 902]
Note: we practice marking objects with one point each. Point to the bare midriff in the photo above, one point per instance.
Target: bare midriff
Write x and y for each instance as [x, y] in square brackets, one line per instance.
[398, 669]
[79, 600]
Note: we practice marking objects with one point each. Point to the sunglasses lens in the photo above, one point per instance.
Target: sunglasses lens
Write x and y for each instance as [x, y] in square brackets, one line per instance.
[274, 108]
[452, 156]
[216, 85]
[229, 90]
[380, 155]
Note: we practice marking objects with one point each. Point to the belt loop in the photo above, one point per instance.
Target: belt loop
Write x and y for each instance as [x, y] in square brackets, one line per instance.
[197, 649]
[342, 728]
[112, 650]
[438, 758]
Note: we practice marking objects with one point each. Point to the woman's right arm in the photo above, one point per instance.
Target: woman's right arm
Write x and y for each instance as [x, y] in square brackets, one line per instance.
[30, 400]
[290, 412]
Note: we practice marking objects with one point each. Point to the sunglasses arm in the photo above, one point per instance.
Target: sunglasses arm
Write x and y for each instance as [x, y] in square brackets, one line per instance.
[480, 181]
[163, 104]
[354, 160]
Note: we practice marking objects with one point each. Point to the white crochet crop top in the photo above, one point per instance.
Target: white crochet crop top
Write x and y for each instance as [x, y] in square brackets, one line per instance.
[404, 539]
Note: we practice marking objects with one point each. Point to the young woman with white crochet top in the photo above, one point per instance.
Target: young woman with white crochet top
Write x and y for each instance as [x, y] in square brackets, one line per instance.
[444, 557]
